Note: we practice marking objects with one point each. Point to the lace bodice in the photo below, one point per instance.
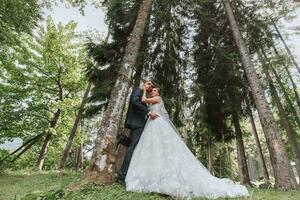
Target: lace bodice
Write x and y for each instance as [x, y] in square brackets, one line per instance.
[159, 108]
[155, 107]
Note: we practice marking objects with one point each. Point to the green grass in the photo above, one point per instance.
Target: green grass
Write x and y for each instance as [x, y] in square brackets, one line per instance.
[29, 185]
[16, 184]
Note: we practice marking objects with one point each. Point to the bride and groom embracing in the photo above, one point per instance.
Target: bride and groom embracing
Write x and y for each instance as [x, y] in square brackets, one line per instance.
[157, 159]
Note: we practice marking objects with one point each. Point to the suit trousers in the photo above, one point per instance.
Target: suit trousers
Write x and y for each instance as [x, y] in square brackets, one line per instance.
[135, 134]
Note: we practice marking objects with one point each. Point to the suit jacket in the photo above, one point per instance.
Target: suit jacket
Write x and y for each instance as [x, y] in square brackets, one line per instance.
[137, 110]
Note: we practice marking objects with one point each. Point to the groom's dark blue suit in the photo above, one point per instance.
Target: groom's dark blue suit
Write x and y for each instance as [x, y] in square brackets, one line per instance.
[135, 120]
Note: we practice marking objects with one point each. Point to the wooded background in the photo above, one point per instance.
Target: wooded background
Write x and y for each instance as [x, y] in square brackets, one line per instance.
[229, 80]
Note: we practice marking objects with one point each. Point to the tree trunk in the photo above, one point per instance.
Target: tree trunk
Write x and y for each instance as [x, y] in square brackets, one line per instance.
[284, 118]
[286, 95]
[291, 79]
[229, 161]
[141, 58]
[284, 176]
[262, 161]
[29, 143]
[74, 128]
[242, 161]
[286, 47]
[138, 75]
[121, 151]
[43, 152]
[210, 157]
[79, 158]
[27, 147]
[102, 165]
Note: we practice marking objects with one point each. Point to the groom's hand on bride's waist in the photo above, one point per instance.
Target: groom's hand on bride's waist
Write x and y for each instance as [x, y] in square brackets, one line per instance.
[153, 115]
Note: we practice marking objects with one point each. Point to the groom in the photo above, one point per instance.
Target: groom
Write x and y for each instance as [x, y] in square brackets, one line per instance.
[136, 117]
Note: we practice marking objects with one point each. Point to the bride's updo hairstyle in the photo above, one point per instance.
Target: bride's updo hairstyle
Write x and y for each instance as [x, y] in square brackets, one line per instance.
[156, 86]
[157, 89]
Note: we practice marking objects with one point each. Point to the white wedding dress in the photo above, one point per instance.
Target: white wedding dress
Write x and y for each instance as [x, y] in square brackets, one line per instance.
[162, 163]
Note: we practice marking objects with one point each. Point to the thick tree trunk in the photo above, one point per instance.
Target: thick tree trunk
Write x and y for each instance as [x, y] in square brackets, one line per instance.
[291, 79]
[241, 155]
[74, 128]
[138, 75]
[286, 47]
[286, 95]
[284, 119]
[121, 151]
[261, 158]
[102, 165]
[43, 152]
[284, 176]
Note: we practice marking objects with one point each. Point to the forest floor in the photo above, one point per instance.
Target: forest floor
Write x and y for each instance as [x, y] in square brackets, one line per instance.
[48, 185]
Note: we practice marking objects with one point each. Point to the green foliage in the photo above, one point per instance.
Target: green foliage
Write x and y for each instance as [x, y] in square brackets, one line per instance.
[167, 57]
[17, 17]
[219, 80]
[107, 56]
[45, 75]
[186, 43]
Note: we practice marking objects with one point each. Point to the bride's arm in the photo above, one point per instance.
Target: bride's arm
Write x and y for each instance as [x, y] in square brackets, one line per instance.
[150, 100]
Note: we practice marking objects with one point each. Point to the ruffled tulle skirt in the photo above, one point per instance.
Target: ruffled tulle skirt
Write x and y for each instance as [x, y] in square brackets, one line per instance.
[162, 163]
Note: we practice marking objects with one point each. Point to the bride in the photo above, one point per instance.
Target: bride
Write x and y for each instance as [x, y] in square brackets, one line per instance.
[162, 163]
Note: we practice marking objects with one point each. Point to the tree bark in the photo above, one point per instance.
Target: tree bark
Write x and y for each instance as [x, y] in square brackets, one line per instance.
[291, 79]
[261, 158]
[286, 47]
[210, 157]
[79, 158]
[102, 165]
[48, 135]
[74, 128]
[284, 176]
[138, 75]
[242, 161]
[121, 151]
[284, 118]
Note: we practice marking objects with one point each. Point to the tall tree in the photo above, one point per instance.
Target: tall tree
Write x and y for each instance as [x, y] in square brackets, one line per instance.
[287, 70]
[101, 168]
[286, 47]
[283, 116]
[261, 158]
[242, 161]
[286, 95]
[168, 55]
[121, 17]
[217, 75]
[284, 176]
[74, 128]
[51, 61]
[17, 17]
